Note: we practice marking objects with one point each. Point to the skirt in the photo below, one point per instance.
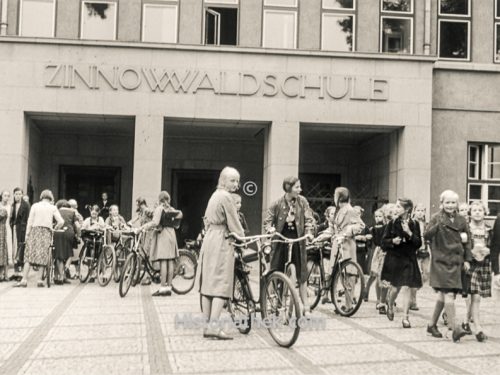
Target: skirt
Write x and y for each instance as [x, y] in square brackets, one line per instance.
[477, 280]
[164, 245]
[38, 245]
[63, 243]
[279, 257]
[401, 270]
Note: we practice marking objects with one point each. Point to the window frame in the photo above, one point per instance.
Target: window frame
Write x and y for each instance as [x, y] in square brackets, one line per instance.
[381, 35]
[469, 39]
[496, 24]
[323, 8]
[382, 11]
[279, 5]
[495, 15]
[339, 14]
[166, 4]
[19, 20]
[281, 10]
[215, 4]
[115, 33]
[468, 15]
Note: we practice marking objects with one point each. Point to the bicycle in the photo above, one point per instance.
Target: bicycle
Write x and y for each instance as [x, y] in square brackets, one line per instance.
[138, 264]
[278, 302]
[346, 283]
[97, 256]
[122, 249]
[48, 272]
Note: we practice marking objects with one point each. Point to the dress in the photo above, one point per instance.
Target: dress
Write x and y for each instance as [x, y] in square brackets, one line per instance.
[64, 241]
[215, 272]
[3, 237]
[377, 255]
[163, 241]
[477, 280]
[400, 264]
[8, 233]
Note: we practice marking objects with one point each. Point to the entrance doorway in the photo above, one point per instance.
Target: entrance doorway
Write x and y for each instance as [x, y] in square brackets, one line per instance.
[191, 191]
[86, 184]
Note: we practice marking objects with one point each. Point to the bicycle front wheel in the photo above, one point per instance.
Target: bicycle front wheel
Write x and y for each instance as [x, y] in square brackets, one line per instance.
[85, 263]
[314, 283]
[184, 272]
[347, 288]
[281, 309]
[128, 274]
[105, 265]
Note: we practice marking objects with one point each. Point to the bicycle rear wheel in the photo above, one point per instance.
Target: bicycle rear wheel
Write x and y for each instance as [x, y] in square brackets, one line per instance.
[281, 309]
[85, 263]
[240, 307]
[347, 288]
[128, 274]
[184, 272]
[105, 265]
[314, 283]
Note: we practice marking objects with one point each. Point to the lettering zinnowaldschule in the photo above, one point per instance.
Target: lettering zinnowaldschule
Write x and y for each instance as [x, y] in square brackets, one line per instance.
[336, 87]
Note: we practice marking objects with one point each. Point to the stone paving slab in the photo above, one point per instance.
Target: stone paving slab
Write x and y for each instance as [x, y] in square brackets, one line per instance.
[398, 367]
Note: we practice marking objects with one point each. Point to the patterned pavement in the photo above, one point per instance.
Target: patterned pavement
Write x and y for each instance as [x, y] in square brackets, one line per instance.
[86, 329]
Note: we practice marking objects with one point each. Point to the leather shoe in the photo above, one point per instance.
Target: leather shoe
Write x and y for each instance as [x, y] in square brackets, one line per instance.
[458, 333]
[20, 284]
[414, 308]
[382, 310]
[481, 337]
[390, 313]
[221, 335]
[406, 323]
[434, 332]
[466, 328]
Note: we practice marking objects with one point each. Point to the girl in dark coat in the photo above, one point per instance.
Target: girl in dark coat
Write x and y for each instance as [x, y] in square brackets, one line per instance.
[449, 235]
[401, 240]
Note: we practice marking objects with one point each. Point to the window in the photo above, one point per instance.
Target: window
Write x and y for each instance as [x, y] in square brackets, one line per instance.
[483, 182]
[338, 25]
[36, 18]
[496, 48]
[280, 24]
[159, 23]
[221, 23]
[396, 26]
[98, 20]
[454, 29]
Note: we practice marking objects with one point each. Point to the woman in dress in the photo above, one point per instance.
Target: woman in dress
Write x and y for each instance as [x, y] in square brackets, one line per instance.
[5, 197]
[215, 273]
[39, 236]
[64, 241]
[401, 240]
[164, 242]
[4, 256]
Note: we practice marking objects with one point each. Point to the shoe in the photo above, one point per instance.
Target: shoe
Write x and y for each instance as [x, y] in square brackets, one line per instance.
[67, 273]
[466, 328]
[406, 323]
[481, 337]
[66, 281]
[434, 332]
[390, 313]
[209, 333]
[382, 310]
[20, 284]
[57, 282]
[414, 308]
[13, 277]
[221, 335]
[92, 280]
[458, 333]
[168, 290]
[40, 284]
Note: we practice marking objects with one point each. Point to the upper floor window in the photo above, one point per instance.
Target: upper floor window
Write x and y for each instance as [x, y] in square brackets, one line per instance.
[221, 22]
[98, 20]
[37, 18]
[280, 24]
[159, 22]
[338, 25]
[454, 29]
[396, 26]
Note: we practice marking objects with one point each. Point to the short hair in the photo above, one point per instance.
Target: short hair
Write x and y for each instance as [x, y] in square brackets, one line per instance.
[73, 202]
[164, 197]
[95, 208]
[406, 203]
[114, 205]
[62, 203]
[18, 189]
[46, 194]
[448, 194]
[479, 204]
[289, 182]
[224, 176]
[328, 210]
[343, 195]
[236, 196]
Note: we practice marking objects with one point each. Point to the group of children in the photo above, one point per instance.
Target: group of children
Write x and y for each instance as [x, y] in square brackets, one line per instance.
[401, 252]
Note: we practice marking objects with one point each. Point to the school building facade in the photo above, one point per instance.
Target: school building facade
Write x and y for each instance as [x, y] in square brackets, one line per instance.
[387, 97]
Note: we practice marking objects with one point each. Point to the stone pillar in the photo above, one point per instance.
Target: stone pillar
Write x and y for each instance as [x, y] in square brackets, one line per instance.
[281, 158]
[14, 150]
[148, 157]
[410, 165]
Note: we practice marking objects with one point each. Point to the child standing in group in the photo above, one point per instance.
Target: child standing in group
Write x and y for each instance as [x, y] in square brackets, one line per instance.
[477, 281]
[116, 223]
[423, 254]
[463, 210]
[377, 231]
[243, 220]
[362, 241]
[94, 221]
[448, 233]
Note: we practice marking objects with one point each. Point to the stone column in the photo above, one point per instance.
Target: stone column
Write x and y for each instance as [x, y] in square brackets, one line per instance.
[14, 150]
[281, 158]
[410, 165]
[148, 157]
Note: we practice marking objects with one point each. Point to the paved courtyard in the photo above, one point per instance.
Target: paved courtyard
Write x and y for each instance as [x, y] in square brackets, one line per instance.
[86, 329]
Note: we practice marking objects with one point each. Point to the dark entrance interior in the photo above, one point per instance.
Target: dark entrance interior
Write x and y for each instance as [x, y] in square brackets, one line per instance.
[86, 184]
[191, 191]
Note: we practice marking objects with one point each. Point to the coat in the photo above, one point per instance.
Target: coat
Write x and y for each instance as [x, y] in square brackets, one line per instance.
[495, 246]
[448, 253]
[348, 223]
[163, 245]
[276, 216]
[215, 272]
[20, 221]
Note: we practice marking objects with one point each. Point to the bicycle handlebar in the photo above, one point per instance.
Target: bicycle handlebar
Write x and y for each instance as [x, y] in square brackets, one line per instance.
[284, 239]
